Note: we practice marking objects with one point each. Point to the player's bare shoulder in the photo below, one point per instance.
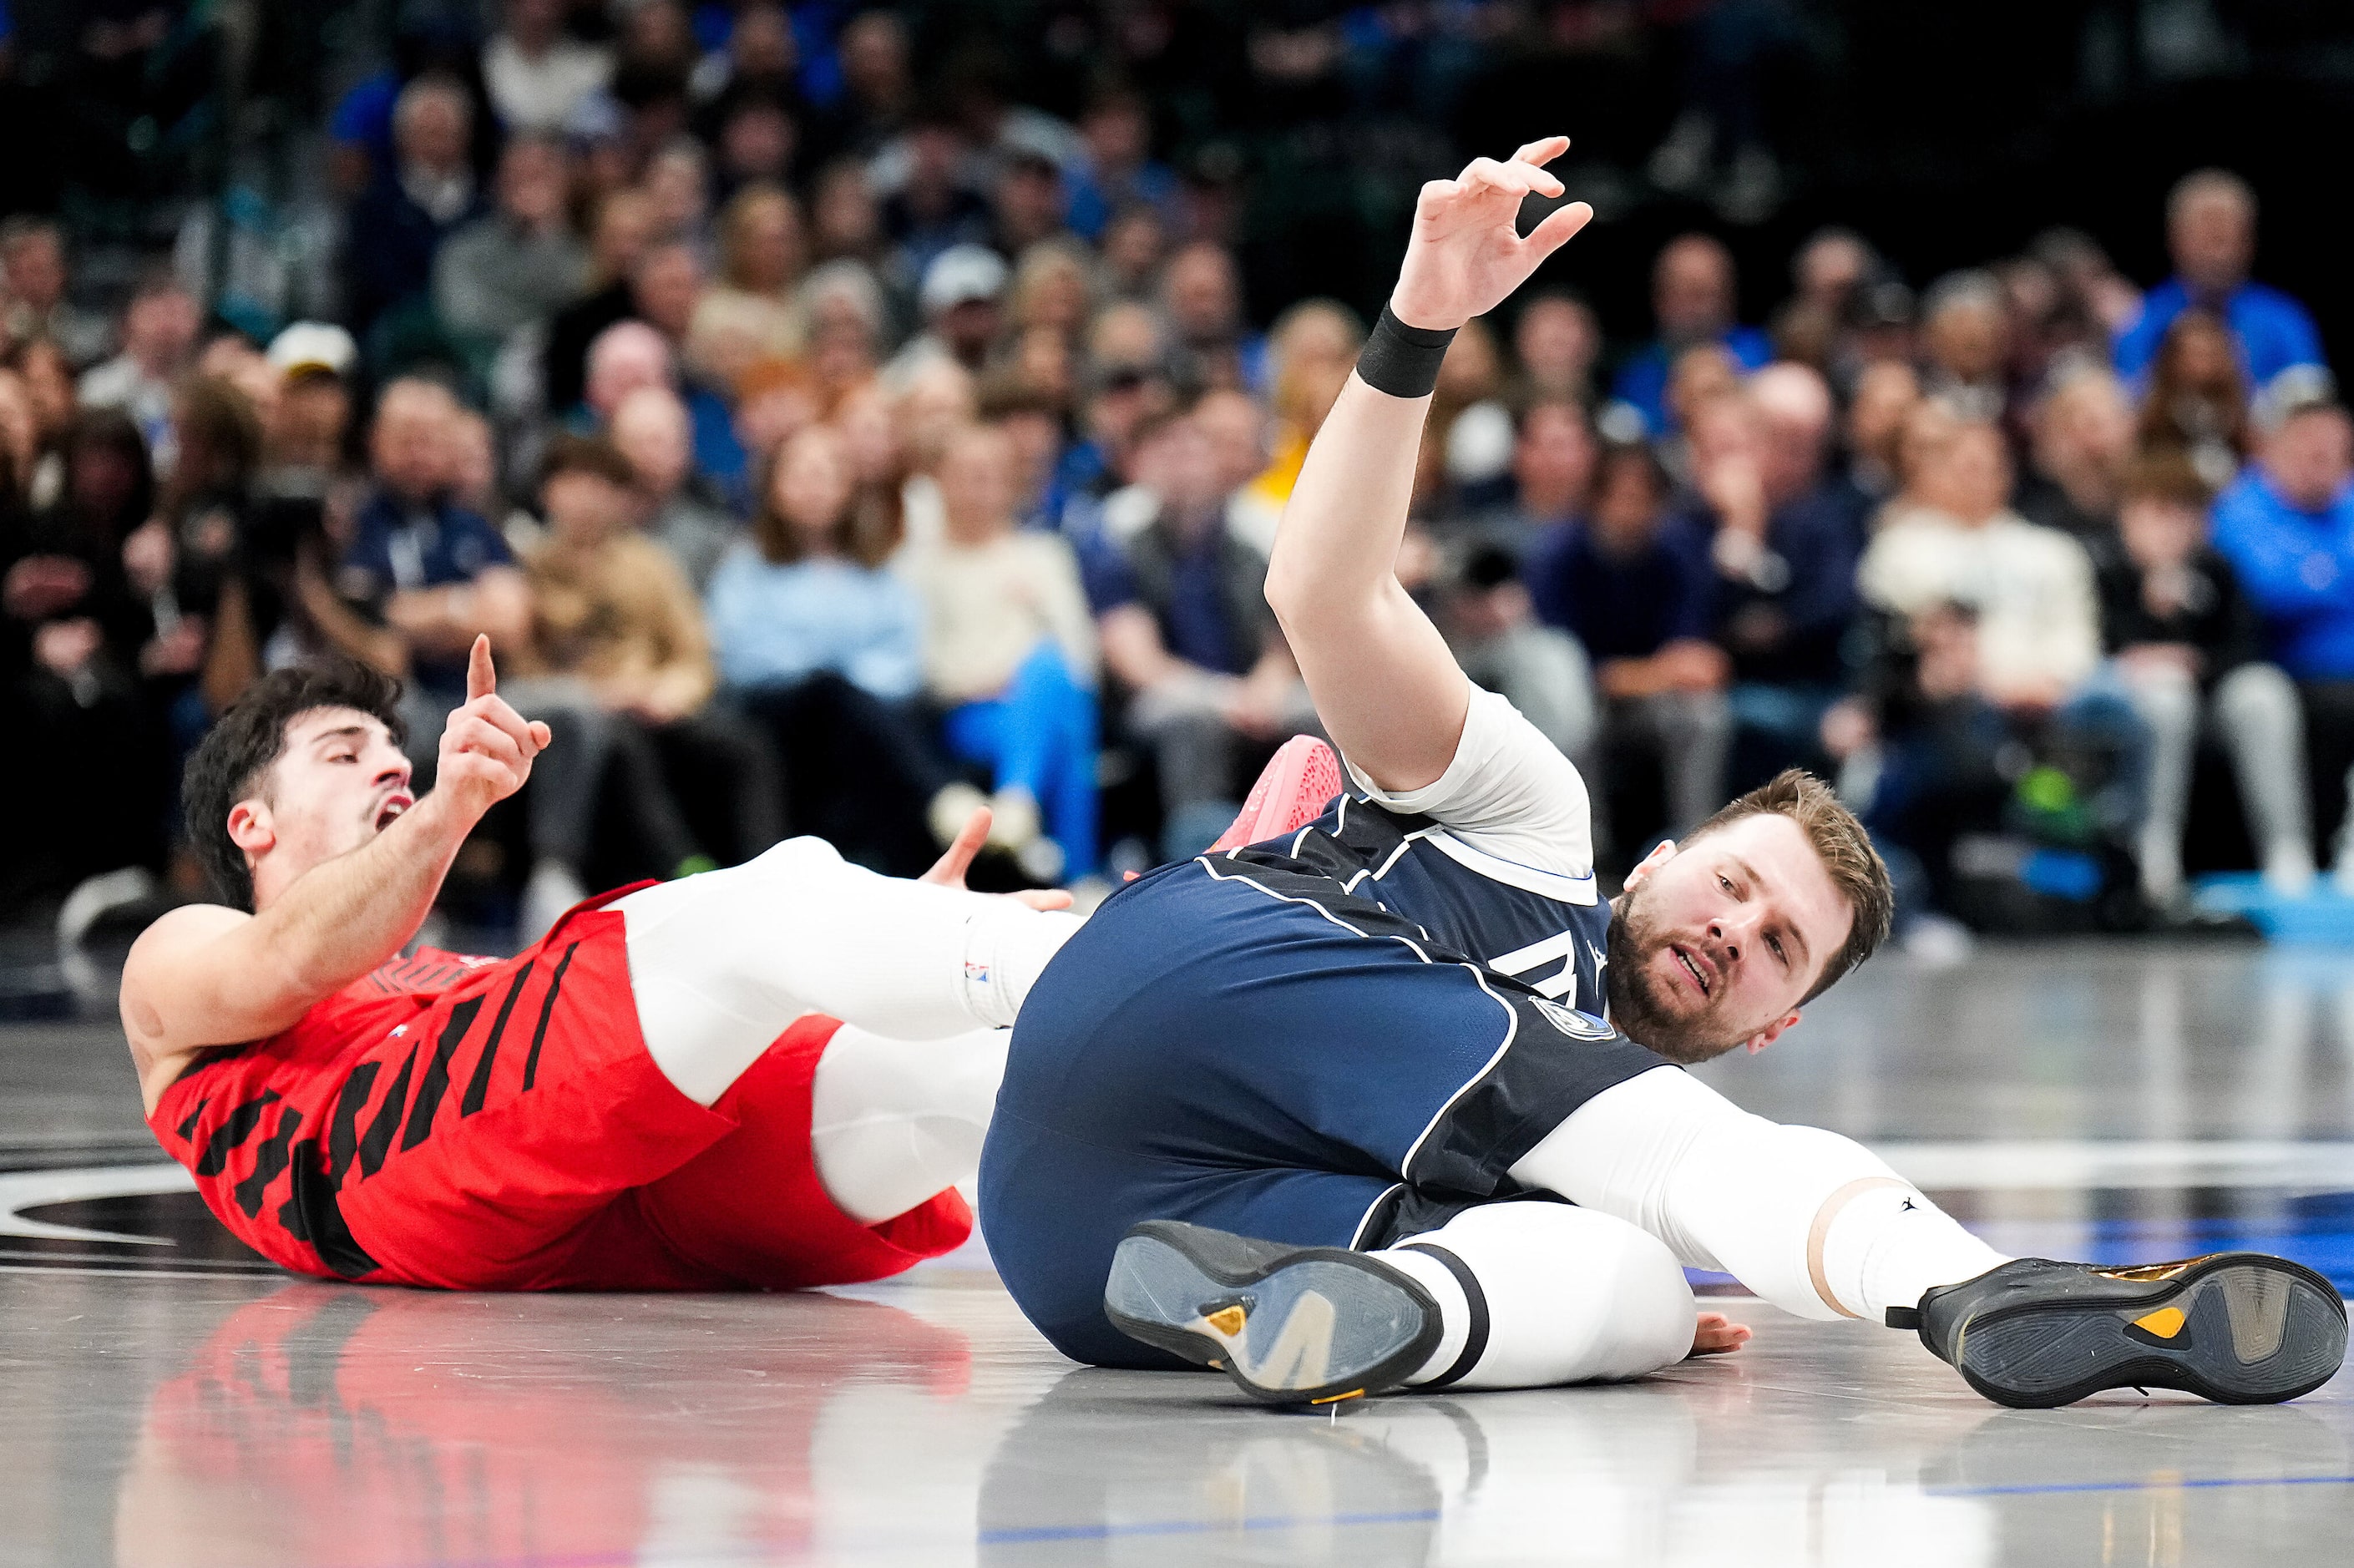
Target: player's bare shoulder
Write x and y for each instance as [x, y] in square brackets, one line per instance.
[163, 981]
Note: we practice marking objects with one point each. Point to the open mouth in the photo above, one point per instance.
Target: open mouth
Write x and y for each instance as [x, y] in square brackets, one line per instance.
[1691, 967]
[390, 813]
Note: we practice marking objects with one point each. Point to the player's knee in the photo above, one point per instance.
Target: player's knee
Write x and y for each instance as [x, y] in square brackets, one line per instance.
[1650, 1314]
[796, 858]
[1573, 1295]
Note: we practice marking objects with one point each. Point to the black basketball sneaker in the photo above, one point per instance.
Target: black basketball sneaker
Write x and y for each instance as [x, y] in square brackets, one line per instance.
[2239, 1328]
[1292, 1324]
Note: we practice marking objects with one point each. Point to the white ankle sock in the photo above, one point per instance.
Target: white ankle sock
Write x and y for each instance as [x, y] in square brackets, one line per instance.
[1887, 1245]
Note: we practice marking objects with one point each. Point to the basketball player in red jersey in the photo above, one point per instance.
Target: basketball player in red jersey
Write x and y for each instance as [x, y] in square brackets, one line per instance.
[765, 1077]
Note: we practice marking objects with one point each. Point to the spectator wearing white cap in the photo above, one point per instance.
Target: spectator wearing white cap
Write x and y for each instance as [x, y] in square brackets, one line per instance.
[961, 295]
[304, 431]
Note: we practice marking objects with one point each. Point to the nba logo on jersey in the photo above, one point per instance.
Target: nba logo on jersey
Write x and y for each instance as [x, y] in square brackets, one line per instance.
[1576, 1026]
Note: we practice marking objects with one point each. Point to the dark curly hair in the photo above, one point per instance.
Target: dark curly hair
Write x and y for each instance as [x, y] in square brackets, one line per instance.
[229, 763]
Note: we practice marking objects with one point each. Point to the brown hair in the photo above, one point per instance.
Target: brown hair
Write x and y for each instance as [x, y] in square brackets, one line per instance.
[220, 436]
[1002, 396]
[236, 756]
[1845, 850]
[868, 531]
[586, 454]
[736, 220]
[2165, 476]
[2177, 402]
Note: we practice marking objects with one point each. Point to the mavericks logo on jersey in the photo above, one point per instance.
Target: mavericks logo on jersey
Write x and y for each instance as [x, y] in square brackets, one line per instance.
[1576, 1026]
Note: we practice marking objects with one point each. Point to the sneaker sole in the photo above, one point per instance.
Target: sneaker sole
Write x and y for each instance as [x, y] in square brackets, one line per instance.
[1316, 1326]
[2235, 1328]
[1305, 771]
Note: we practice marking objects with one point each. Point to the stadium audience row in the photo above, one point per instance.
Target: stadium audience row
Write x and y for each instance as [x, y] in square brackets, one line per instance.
[837, 472]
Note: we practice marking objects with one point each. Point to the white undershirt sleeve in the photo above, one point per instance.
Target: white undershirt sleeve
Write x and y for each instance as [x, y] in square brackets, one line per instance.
[1509, 792]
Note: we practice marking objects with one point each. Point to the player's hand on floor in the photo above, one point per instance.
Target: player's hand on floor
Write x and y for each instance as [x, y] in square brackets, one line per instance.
[1718, 1335]
[949, 869]
[487, 748]
[1466, 253]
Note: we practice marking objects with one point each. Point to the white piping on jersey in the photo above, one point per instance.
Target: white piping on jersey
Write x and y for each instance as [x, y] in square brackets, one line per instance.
[1511, 1033]
[1512, 1019]
[1583, 890]
[1217, 875]
[1405, 844]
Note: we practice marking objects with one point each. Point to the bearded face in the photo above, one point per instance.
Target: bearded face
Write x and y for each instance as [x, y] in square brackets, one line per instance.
[1645, 1009]
[1713, 945]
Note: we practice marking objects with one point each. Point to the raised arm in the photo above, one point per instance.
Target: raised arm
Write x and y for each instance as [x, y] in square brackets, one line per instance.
[206, 975]
[1385, 683]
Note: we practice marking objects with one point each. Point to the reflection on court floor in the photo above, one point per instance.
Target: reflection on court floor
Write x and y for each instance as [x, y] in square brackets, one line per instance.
[171, 1401]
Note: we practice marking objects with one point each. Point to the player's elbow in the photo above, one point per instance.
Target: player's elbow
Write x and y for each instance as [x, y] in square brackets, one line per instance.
[1281, 586]
[1292, 594]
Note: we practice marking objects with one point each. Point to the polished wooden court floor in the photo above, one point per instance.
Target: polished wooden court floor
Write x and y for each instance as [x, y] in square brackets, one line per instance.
[167, 1399]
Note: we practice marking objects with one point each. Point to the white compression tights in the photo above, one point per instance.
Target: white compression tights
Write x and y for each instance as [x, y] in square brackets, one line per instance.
[1812, 1222]
[722, 963]
[1537, 1293]
[894, 1121]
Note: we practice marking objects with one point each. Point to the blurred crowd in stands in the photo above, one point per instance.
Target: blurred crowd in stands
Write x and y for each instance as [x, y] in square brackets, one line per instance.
[826, 453]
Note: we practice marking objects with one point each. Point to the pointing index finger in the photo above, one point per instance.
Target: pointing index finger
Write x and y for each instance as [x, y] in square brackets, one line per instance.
[482, 680]
[1542, 152]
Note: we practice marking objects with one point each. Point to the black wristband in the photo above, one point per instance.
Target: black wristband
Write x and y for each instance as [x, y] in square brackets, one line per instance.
[1402, 360]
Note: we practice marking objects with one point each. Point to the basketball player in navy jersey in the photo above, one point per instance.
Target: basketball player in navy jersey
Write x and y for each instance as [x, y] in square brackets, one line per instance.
[1307, 1111]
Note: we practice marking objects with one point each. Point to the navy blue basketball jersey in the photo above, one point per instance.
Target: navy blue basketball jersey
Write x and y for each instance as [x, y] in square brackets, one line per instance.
[1548, 931]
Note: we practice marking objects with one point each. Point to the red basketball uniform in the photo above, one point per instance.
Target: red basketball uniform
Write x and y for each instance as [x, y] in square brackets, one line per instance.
[485, 1125]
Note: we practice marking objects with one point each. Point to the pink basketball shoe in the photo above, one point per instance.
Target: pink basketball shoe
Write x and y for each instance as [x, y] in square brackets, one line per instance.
[1291, 792]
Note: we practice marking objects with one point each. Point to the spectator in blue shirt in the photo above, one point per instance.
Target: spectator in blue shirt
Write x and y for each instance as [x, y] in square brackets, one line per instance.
[807, 595]
[2210, 228]
[1692, 302]
[630, 356]
[2287, 529]
[822, 645]
[1632, 583]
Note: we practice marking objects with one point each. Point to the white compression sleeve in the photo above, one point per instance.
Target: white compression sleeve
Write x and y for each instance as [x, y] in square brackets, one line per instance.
[892, 1122]
[721, 963]
[1554, 1294]
[1814, 1222]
